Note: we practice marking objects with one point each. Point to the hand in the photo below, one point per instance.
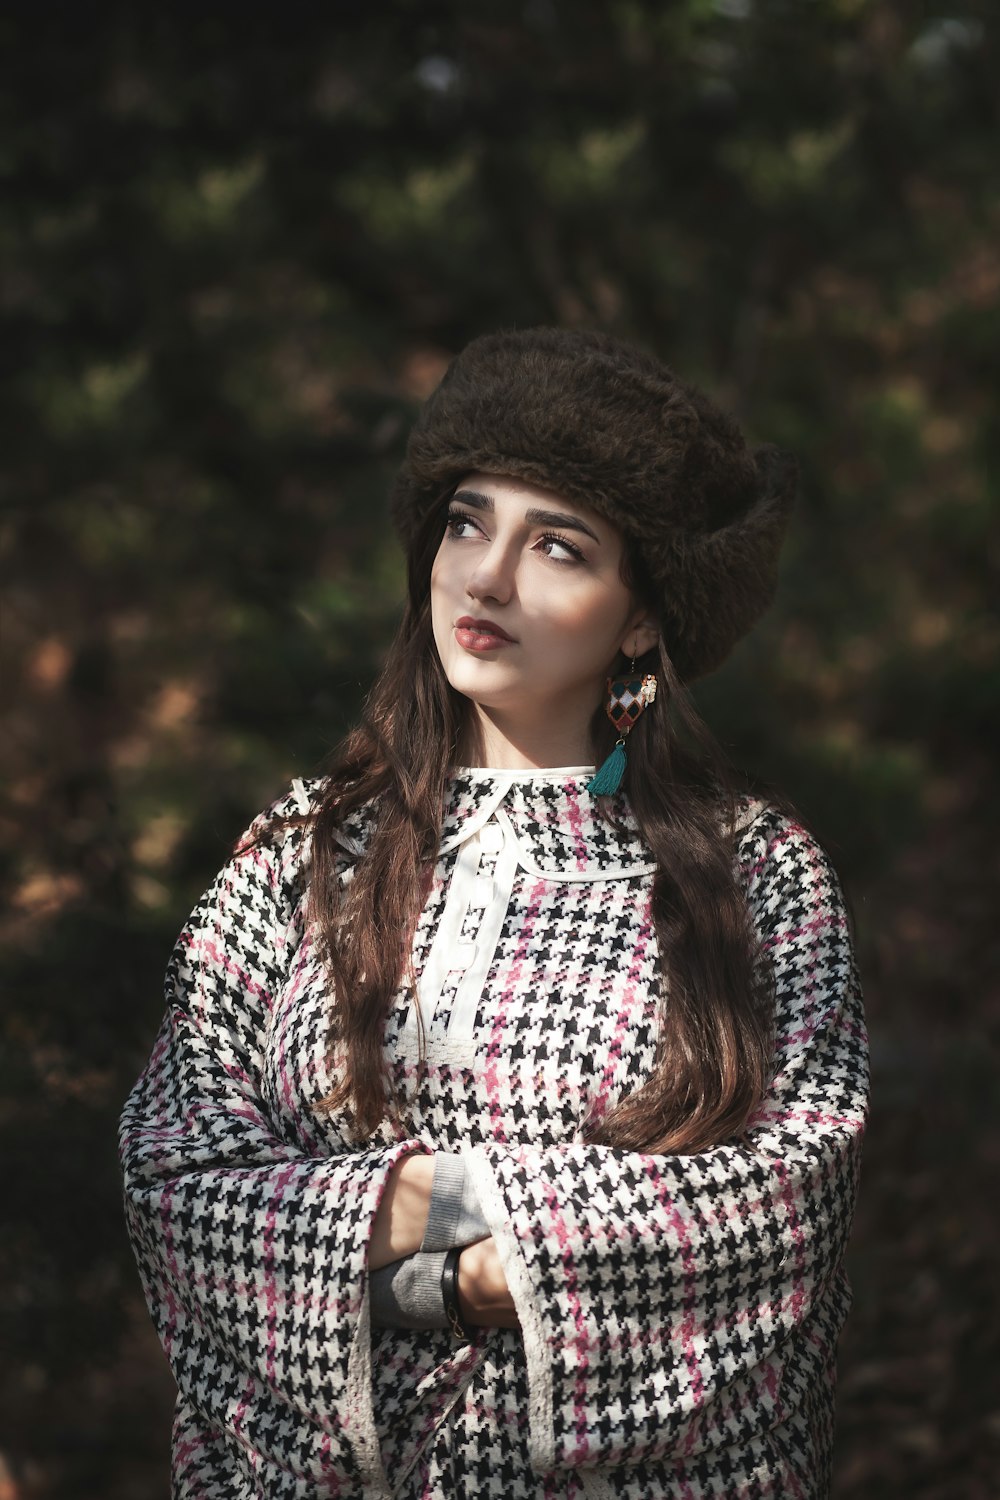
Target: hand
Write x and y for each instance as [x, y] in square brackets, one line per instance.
[401, 1219]
[483, 1298]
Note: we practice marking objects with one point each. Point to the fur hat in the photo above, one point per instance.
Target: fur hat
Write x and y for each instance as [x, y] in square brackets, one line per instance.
[609, 426]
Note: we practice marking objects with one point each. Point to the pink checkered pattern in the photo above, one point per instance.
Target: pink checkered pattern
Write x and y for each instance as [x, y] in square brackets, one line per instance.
[679, 1315]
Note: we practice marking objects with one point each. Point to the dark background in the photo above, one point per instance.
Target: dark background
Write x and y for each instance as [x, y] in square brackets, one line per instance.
[234, 259]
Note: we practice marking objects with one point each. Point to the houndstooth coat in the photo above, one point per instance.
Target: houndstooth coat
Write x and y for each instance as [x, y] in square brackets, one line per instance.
[679, 1314]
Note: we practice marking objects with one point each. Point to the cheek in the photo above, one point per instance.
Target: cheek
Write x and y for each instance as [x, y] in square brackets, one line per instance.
[584, 618]
[439, 583]
[439, 609]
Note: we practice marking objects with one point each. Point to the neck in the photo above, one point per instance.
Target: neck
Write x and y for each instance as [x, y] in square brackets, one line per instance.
[494, 740]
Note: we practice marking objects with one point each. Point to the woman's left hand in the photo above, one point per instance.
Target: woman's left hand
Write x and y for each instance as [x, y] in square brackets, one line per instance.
[483, 1298]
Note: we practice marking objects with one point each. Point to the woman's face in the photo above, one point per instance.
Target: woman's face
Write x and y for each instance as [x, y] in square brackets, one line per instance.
[528, 607]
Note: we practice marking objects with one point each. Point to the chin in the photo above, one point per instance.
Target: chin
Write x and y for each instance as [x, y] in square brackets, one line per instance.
[482, 697]
[477, 692]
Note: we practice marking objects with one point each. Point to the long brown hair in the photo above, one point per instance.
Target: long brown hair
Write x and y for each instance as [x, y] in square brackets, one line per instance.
[715, 1030]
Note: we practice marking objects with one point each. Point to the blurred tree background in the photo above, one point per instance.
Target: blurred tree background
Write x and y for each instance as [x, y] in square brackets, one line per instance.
[236, 256]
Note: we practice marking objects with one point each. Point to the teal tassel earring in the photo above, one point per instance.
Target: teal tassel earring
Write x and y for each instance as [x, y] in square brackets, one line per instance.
[628, 696]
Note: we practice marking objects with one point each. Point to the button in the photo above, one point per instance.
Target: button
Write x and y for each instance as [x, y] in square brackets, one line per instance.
[491, 837]
[481, 891]
[462, 956]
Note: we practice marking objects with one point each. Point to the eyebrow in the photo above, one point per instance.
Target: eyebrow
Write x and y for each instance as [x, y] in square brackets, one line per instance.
[533, 517]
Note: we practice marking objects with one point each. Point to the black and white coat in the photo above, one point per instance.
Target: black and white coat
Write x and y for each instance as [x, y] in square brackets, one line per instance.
[679, 1314]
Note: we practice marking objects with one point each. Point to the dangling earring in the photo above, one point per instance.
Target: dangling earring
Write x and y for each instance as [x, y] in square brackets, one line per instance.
[628, 696]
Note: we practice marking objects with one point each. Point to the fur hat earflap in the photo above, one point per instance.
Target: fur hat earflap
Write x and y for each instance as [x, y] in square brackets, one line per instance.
[609, 426]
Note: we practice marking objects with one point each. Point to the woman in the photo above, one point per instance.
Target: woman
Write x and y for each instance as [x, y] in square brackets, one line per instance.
[502, 1134]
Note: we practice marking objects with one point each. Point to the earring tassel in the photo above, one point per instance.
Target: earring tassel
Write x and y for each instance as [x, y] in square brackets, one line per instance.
[608, 778]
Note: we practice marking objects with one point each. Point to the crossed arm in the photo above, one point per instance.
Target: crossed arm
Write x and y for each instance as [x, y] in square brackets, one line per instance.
[398, 1231]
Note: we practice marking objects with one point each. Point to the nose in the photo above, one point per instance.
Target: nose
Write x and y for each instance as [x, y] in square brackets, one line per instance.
[493, 575]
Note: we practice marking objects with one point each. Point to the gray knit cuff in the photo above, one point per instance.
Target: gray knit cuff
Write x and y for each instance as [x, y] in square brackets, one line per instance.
[454, 1217]
[407, 1293]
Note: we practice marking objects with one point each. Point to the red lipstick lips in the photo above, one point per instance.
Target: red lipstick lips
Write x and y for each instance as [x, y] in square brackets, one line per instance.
[480, 635]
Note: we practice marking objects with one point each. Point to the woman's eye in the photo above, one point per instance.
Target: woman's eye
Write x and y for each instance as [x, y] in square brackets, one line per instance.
[456, 520]
[561, 549]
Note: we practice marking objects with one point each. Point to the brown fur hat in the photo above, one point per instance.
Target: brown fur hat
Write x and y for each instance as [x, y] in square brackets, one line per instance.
[609, 426]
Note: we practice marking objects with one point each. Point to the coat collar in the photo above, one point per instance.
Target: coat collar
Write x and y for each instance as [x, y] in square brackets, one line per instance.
[551, 817]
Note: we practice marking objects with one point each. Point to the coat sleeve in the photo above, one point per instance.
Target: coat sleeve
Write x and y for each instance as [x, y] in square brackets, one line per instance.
[251, 1250]
[677, 1305]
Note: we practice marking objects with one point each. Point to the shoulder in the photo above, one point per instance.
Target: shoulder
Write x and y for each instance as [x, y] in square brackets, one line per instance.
[784, 866]
[284, 823]
[274, 851]
[288, 823]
